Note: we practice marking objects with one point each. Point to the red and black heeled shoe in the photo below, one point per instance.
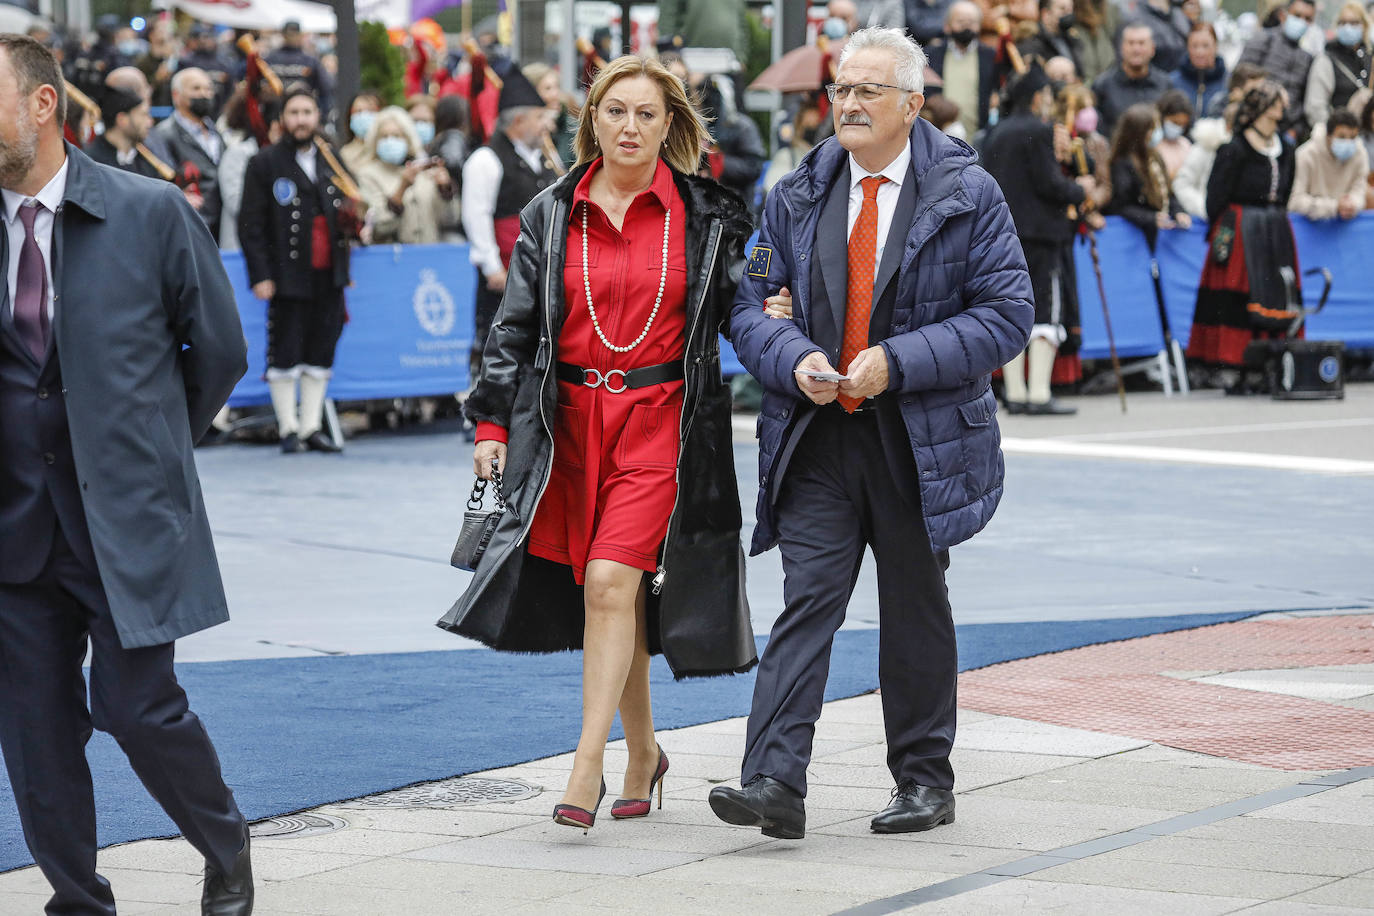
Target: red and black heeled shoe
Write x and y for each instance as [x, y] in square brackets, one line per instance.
[573, 816]
[624, 808]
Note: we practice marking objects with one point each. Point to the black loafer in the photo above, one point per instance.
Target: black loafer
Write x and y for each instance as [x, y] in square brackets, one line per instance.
[291, 444]
[1050, 408]
[765, 803]
[319, 442]
[915, 808]
[231, 894]
[1015, 407]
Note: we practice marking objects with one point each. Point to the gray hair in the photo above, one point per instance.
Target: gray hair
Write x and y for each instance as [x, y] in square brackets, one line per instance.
[180, 78]
[965, 4]
[910, 59]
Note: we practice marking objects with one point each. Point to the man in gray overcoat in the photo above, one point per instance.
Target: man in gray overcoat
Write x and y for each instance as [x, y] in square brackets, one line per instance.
[119, 341]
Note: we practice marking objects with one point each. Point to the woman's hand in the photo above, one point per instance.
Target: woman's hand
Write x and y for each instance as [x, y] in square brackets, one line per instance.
[487, 451]
[1164, 220]
[779, 306]
[1183, 220]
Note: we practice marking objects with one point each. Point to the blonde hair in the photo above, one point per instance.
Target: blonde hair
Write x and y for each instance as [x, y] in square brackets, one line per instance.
[686, 132]
[1354, 6]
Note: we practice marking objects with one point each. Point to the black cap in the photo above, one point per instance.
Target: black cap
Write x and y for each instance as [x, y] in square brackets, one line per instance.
[200, 30]
[291, 25]
[518, 92]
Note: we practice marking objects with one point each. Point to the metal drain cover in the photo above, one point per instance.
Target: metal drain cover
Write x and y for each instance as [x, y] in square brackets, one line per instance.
[296, 825]
[450, 793]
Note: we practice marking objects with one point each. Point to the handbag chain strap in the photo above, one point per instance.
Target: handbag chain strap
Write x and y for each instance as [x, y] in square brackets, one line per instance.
[479, 491]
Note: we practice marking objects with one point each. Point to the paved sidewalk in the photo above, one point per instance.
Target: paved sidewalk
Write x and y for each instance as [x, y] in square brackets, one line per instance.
[1049, 817]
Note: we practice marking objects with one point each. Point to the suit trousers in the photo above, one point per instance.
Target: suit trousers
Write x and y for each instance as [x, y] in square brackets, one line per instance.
[488, 304]
[134, 696]
[305, 332]
[840, 496]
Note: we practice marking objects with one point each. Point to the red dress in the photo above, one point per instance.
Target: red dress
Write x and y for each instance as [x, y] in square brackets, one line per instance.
[614, 480]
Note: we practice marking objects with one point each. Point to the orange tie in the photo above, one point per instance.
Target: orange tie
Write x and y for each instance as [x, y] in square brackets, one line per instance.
[863, 267]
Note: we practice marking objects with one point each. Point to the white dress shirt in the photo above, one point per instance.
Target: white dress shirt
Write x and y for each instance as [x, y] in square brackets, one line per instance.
[482, 174]
[305, 158]
[888, 192]
[51, 198]
[205, 135]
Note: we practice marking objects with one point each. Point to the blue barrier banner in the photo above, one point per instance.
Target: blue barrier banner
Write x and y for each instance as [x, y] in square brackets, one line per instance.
[409, 330]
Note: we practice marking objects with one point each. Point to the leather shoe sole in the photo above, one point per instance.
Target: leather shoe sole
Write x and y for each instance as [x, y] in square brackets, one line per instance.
[734, 811]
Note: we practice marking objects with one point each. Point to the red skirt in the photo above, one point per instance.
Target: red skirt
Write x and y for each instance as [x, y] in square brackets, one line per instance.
[1230, 298]
[614, 480]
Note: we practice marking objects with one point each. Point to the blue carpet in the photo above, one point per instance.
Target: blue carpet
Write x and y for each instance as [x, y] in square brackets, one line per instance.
[301, 732]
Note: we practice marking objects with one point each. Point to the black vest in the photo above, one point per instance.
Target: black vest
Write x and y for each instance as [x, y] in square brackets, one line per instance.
[519, 182]
[1351, 66]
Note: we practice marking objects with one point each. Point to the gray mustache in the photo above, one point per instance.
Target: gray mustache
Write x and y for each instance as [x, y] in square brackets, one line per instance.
[860, 119]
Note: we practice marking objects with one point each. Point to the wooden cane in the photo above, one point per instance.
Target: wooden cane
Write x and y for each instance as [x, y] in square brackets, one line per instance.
[470, 46]
[341, 179]
[250, 49]
[166, 171]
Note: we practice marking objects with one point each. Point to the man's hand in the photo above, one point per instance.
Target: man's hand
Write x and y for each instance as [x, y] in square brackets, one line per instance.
[1164, 220]
[1088, 183]
[821, 393]
[193, 198]
[1063, 143]
[497, 282]
[779, 306]
[265, 290]
[867, 374]
[1348, 207]
[482, 456]
[1183, 220]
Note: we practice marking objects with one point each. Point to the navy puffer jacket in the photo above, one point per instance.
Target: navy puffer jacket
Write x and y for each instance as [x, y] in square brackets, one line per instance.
[963, 309]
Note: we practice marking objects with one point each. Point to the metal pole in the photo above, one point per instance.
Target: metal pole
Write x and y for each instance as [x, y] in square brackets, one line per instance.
[567, 48]
[1107, 319]
[350, 66]
[625, 26]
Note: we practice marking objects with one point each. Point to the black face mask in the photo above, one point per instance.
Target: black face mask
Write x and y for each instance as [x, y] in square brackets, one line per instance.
[963, 37]
[1066, 23]
[202, 108]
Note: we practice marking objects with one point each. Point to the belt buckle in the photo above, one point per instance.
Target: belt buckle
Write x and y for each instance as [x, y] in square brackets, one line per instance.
[592, 378]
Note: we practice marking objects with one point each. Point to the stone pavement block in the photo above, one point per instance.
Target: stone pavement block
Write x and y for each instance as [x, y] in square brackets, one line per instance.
[650, 833]
[883, 851]
[1006, 734]
[318, 897]
[1022, 839]
[1115, 869]
[1064, 785]
[151, 886]
[708, 768]
[865, 709]
[1020, 895]
[568, 854]
[173, 855]
[693, 808]
[19, 902]
[1158, 753]
[1240, 779]
[353, 841]
[276, 863]
[848, 798]
[1351, 804]
[861, 732]
[1295, 858]
[665, 896]
[1357, 892]
[872, 754]
[854, 775]
[398, 875]
[984, 807]
[1293, 908]
[1283, 832]
[444, 821]
[788, 873]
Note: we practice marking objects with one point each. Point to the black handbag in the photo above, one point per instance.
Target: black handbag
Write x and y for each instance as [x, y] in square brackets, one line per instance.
[479, 524]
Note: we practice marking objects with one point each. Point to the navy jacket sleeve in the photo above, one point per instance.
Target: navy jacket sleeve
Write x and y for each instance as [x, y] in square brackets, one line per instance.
[996, 319]
[769, 348]
[203, 312]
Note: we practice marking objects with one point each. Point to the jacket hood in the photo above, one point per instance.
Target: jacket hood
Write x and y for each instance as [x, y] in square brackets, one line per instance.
[1210, 133]
[937, 159]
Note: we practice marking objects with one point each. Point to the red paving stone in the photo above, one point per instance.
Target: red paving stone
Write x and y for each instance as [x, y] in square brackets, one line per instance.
[1118, 688]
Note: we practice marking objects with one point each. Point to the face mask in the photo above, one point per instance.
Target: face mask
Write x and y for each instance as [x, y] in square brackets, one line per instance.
[1156, 135]
[393, 150]
[1294, 28]
[964, 37]
[994, 115]
[835, 28]
[130, 48]
[1350, 35]
[1172, 131]
[361, 122]
[1344, 148]
[426, 131]
[1067, 22]
[202, 108]
[1085, 122]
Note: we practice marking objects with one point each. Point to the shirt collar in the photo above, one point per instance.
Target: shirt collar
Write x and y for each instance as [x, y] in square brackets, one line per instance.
[662, 187]
[50, 197]
[895, 171]
[193, 126]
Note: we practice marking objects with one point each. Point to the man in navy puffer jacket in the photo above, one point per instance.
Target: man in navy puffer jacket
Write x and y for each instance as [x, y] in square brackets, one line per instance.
[902, 456]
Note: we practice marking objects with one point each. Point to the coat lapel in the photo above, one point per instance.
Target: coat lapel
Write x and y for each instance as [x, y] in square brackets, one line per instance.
[832, 256]
[895, 246]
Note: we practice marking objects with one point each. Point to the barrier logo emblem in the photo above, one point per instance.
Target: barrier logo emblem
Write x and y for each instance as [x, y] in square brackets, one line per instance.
[433, 304]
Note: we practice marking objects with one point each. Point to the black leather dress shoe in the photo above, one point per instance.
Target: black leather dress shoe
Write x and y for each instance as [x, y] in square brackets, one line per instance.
[1015, 407]
[291, 444]
[319, 442]
[915, 808]
[1050, 408]
[231, 894]
[763, 802]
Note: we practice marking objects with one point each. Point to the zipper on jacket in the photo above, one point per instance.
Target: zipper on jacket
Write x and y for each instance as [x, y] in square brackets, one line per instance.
[685, 423]
[548, 332]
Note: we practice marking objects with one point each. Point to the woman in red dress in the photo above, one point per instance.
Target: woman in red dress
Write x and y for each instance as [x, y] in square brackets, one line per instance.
[602, 404]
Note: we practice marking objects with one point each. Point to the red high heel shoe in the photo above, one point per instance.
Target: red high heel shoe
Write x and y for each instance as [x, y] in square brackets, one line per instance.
[573, 816]
[624, 808]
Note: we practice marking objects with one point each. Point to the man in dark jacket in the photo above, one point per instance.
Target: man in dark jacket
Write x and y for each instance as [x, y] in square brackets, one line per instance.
[1056, 36]
[1019, 153]
[203, 53]
[127, 124]
[1133, 79]
[966, 65]
[119, 341]
[293, 65]
[906, 274]
[1202, 75]
[194, 144]
[1278, 52]
[294, 225]
[1169, 27]
[739, 147]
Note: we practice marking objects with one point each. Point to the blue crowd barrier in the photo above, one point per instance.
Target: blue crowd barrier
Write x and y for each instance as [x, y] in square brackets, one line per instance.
[411, 306]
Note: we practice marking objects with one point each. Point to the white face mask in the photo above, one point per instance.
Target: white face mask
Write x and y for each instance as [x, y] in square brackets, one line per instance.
[1294, 28]
[393, 150]
[1344, 148]
[1172, 130]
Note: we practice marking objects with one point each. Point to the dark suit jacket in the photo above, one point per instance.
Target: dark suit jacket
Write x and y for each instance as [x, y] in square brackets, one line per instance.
[988, 77]
[147, 342]
[1019, 153]
[183, 149]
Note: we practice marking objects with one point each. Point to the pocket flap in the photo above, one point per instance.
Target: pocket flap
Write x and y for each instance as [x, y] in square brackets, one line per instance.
[977, 412]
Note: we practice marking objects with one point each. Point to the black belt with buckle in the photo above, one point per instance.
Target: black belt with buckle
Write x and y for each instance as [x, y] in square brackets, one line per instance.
[634, 378]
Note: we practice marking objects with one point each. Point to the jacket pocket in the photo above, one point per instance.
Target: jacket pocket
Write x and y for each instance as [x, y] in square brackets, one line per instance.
[650, 437]
[569, 436]
[169, 460]
[978, 443]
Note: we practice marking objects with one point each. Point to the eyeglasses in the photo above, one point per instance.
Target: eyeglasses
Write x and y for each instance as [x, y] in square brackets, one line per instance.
[865, 92]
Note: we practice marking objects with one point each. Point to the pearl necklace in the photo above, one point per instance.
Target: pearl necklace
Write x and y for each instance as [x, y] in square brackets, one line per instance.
[587, 285]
